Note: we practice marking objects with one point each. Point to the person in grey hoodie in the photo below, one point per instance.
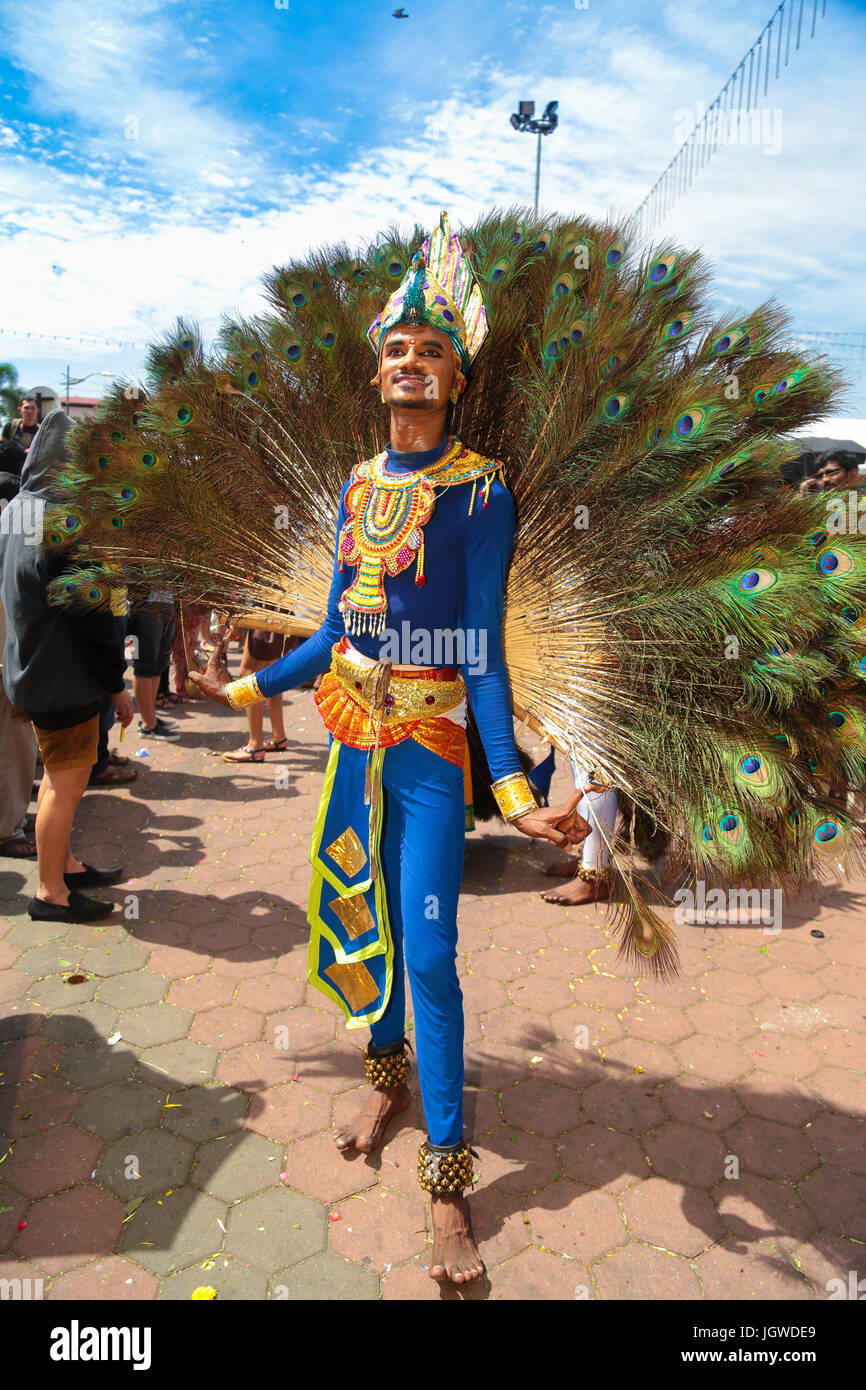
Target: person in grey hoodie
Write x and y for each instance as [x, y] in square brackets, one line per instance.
[57, 665]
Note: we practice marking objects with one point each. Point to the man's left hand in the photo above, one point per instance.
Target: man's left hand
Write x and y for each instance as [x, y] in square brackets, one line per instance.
[561, 825]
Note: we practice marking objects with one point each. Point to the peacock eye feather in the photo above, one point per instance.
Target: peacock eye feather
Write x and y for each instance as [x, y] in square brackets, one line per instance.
[732, 338]
[761, 393]
[517, 234]
[730, 827]
[691, 422]
[148, 460]
[662, 271]
[500, 270]
[563, 284]
[358, 273]
[117, 436]
[615, 253]
[184, 414]
[292, 350]
[825, 832]
[792, 379]
[615, 405]
[655, 434]
[552, 348]
[817, 538]
[396, 269]
[103, 462]
[678, 326]
[577, 332]
[756, 581]
[296, 295]
[539, 247]
[187, 344]
[256, 357]
[326, 336]
[836, 563]
[252, 379]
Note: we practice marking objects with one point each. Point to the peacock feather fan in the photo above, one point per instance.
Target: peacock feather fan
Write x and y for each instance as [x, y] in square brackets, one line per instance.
[674, 620]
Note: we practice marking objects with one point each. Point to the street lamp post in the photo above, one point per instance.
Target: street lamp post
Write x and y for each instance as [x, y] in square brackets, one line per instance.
[524, 119]
[77, 380]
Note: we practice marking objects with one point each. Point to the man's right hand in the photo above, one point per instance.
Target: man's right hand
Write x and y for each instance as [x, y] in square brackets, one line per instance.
[213, 680]
[124, 704]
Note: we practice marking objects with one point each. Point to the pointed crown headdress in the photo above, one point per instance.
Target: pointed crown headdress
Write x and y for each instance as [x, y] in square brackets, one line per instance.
[437, 290]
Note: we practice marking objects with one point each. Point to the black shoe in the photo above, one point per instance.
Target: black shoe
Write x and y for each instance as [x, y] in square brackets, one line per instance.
[92, 878]
[78, 909]
[158, 731]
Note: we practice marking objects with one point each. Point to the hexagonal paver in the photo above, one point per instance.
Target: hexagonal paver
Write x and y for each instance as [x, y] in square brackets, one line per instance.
[538, 1275]
[599, 1157]
[629, 1272]
[624, 1105]
[379, 1228]
[276, 1230]
[182, 1063]
[234, 1282]
[116, 958]
[540, 1107]
[178, 1230]
[132, 991]
[771, 1150]
[318, 1167]
[206, 1112]
[686, 1154]
[838, 1200]
[572, 1220]
[287, 1113]
[109, 1278]
[680, 1220]
[227, 1026]
[238, 1165]
[124, 1107]
[726, 1272]
[70, 1228]
[145, 1164]
[754, 1209]
[324, 1277]
[81, 1023]
[154, 1024]
[48, 1162]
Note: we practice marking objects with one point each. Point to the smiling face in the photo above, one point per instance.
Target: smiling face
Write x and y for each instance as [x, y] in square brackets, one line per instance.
[418, 369]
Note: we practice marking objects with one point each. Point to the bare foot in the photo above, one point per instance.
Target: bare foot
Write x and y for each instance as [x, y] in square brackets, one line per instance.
[455, 1254]
[564, 870]
[578, 892]
[366, 1132]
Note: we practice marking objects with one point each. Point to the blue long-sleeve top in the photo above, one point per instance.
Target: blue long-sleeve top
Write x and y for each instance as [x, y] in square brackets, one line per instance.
[466, 558]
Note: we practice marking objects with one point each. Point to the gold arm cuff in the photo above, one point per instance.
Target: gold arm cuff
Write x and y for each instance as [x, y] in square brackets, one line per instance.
[244, 692]
[514, 796]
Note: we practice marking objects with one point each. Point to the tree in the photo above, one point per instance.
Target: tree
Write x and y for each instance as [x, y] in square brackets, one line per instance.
[10, 391]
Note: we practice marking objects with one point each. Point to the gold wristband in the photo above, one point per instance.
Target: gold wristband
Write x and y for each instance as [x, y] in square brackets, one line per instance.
[514, 796]
[243, 692]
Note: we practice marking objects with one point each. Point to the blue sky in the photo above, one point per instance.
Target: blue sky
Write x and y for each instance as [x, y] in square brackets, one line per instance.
[155, 158]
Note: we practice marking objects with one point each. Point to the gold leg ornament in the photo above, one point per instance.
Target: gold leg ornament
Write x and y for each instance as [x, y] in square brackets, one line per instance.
[387, 1066]
[443, 1170]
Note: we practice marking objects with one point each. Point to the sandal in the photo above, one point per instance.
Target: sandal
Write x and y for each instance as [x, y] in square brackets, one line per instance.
[20, 848]
[276, 745]
[112, 776]
[117, 759]
[245, 755]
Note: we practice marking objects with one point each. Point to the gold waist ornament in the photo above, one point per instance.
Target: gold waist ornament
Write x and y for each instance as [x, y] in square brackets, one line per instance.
[408, 697]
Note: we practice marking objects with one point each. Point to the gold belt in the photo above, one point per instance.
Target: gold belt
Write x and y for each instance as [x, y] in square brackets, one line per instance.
[407, 697]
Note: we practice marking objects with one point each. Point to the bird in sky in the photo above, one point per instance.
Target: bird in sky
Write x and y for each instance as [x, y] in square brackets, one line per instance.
[399, 14]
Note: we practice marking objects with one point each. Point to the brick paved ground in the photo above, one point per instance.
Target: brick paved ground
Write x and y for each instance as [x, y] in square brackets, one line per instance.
[167, 1121]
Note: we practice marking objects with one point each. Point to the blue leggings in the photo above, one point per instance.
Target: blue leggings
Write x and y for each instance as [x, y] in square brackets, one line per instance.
[421, 852]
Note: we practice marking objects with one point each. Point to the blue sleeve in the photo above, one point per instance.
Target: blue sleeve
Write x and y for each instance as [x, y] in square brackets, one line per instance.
[488, 538]
[312, 657]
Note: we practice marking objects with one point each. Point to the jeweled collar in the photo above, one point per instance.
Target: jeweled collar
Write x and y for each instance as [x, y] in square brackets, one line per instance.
[457, 465]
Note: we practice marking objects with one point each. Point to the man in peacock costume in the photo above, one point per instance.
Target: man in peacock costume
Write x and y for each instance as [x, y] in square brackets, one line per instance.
[612, 560]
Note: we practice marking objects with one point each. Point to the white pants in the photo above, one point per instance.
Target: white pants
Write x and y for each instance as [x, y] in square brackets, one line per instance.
[17, 769]
[599, 809]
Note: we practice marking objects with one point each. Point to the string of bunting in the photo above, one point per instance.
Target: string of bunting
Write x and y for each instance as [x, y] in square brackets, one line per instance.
[69, 338]
[735, 102]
